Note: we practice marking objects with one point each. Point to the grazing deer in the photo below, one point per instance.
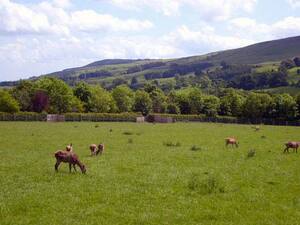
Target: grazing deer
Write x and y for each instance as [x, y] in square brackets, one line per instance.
[69, 148]
[291, 144]
[68, 157]
[231, 141]
[100, 149]
[95, 150]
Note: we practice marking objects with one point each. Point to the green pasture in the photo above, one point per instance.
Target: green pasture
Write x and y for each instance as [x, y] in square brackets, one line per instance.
[149, 174]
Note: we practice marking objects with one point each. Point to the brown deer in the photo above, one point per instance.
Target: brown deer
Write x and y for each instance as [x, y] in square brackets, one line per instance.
[95, 150]
[68, 157]
[291, 144]
[69, 148]
[231, 141]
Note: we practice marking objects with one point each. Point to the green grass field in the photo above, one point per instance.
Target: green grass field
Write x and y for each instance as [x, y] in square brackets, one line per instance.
[139, 180]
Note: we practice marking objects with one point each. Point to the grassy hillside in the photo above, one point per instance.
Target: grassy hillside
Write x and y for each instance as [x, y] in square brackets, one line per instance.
[138, 180]
[270, 51]
[263, 57]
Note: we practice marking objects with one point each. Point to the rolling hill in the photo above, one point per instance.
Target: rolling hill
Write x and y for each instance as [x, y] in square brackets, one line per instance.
[105, 71]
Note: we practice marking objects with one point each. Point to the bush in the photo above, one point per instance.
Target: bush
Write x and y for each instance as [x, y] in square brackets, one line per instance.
[8, 103]
[127, 133]
[251, 153]
[208, 185]
[23, 116]
[98, 117]
[171, 144]
[196, 148]
[173, 109]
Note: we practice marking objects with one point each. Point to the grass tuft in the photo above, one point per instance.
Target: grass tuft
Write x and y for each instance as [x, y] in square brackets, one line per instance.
[196, 148]
[251, 153]
[171, 144]
[204, 186]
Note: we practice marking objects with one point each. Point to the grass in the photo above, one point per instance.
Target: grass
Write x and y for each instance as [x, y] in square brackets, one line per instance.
[281, 90]
[293, 76]
[144, 182]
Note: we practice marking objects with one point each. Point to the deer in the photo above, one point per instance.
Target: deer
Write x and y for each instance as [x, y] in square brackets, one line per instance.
[231, 141]
[68, 157]
[69, 148]
[95, 150]
[291, 144]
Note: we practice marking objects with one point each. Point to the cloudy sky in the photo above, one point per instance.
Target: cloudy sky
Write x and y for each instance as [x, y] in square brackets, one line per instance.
[41, 36]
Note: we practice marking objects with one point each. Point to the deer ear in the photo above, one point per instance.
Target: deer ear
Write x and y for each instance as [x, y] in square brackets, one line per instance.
[71, 145]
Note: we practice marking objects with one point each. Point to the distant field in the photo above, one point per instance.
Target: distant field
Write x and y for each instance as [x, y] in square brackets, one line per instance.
[139, 180]
[293, 76]
[280, 90]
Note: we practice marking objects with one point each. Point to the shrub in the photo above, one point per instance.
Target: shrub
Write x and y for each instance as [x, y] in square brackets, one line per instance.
[127, 133]
[97, 117]
[208, 185]
[173, 109]
[23, 116]
[8, 103]
[171, 144]
[251, 153]
[196, 148]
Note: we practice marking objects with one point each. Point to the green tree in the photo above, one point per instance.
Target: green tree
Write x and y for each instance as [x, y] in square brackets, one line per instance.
[8, 103]
[101, 101]
[60, 94]
[211, 105]
[123, 97]
[24, 93]
[142, 102]
[232, 103]
[77, 105]
[257, 105]
[158, 100]
[183, 101]
[172, 108]
[196, 100]
[285, 106]
[134, 83]
[83, 92]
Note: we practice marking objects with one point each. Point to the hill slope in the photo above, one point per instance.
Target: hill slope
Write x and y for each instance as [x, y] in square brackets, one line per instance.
[111, 69]
[269, 51]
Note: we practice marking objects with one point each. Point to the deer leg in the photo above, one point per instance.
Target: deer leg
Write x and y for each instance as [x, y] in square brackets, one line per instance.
[56, 165]
[70, 167]
[74, 166]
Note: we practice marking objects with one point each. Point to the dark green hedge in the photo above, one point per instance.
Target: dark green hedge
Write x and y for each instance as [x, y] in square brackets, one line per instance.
[97, 117]
[131, 117]
[23, 116]
[228, 119]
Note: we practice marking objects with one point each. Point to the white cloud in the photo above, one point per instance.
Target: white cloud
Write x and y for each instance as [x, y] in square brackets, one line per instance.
[52, 18]
[204, 40]
[289, 26]
[294, 3]
[246, 27]
[89, 20]
[209, 10]
[62, 3]
[18, 18]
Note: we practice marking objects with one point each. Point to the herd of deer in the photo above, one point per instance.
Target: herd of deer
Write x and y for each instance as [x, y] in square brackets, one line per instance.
[68, 155]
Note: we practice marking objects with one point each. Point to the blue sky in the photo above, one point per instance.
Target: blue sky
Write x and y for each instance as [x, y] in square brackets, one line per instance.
[42, 36]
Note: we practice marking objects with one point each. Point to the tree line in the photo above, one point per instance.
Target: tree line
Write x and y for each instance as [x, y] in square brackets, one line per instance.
[52, 95]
